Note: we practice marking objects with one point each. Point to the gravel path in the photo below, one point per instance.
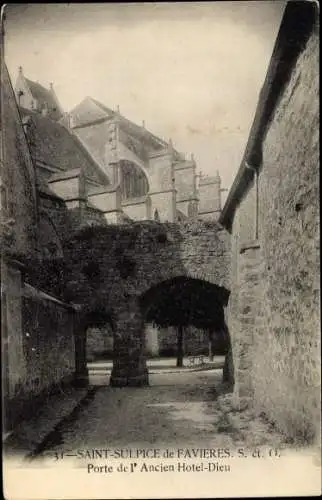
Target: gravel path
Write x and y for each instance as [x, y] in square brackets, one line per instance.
[177, 410]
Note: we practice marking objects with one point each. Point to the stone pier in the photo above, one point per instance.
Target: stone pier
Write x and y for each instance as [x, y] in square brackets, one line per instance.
[248, 310]
[129, 364]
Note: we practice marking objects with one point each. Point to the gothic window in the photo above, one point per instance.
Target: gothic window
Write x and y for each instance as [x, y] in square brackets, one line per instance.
[134, 183]
[156, 215]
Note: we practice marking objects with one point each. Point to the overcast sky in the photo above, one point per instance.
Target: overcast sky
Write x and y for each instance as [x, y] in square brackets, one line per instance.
[192, 71]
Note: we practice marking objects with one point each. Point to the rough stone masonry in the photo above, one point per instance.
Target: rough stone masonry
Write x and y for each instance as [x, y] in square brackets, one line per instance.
[274, 313]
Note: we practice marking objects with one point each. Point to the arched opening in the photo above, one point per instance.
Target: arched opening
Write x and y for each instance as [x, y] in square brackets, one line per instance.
[94, 346]
[184, 320]
[99, 339]
[134, 183]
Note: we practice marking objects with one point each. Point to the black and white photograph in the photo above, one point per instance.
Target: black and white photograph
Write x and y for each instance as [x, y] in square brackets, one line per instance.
[160, 250]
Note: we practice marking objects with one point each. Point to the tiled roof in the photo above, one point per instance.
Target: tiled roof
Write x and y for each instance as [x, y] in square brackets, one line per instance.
[53, 145]
[45, 97]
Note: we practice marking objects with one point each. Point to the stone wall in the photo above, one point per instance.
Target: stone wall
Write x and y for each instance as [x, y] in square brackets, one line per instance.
[12, 330]
[185, 181]
[209, 197]
[136, 209]
[153, 252]
[289, 218]
[41, 354]
[99, 343]
[110, 268]
[274, 308]
[48, 343]
[163, 341]
[245, 297]
[205, 251]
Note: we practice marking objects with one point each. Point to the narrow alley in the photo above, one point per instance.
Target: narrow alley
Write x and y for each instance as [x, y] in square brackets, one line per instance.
[178, 410]
[160, 250]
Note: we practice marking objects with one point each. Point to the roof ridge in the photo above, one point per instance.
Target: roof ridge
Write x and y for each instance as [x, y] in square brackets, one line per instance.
[102, 106]
[35, 82]
[124, 119]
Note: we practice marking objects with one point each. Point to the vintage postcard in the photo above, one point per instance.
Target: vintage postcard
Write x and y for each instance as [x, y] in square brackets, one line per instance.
[160, 250]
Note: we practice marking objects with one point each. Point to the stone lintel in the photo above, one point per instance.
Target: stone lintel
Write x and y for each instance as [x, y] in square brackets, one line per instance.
[249, 245]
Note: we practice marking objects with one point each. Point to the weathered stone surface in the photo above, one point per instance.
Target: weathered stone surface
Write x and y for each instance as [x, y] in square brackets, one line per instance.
[273, 284]
[111, 267]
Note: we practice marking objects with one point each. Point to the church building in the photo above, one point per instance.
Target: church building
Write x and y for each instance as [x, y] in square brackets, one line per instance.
[137, 175]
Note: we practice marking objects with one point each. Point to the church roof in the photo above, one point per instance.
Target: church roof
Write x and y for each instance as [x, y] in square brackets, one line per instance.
[91, 111]
[45, 97]
[53, 145]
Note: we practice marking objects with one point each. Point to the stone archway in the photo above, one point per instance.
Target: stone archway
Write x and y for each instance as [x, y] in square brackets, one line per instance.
[111, 268]
[85, 320]
[184, 301]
